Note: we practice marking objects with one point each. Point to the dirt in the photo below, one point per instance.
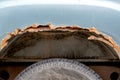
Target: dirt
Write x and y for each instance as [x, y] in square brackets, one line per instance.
[48, 41]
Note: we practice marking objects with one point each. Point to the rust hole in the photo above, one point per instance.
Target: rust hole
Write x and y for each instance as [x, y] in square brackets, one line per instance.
[114, 76]
[4, 75]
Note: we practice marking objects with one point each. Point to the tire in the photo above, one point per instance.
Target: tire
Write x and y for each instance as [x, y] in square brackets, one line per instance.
[58, 69]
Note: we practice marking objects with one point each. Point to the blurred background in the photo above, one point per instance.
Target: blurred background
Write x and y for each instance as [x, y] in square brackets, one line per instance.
[101, 14]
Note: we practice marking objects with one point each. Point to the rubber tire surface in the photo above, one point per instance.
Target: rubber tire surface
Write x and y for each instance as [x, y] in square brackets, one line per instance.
[60, 63]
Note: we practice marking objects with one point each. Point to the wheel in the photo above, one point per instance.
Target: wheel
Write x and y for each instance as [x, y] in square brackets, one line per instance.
[58, 69]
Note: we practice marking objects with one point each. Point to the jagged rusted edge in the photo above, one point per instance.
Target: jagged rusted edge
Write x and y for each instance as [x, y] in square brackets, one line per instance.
[49, 27]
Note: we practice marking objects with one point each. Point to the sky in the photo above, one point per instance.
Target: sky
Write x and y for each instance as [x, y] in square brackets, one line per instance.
[101, 14]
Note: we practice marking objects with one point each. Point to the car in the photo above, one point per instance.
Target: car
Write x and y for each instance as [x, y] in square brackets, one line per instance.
[83, 40]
